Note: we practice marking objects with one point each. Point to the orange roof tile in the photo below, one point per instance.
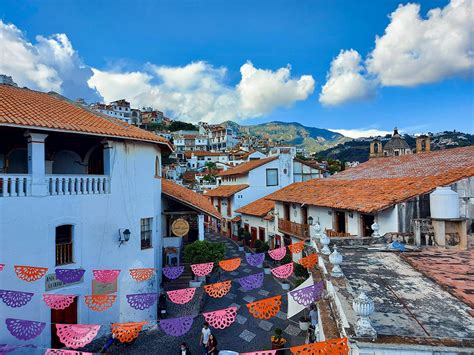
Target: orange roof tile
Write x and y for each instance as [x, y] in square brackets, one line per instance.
[246, 167]
[226, 190]
[258, 208]
[188, 197]
[381, 183]
[38, 110]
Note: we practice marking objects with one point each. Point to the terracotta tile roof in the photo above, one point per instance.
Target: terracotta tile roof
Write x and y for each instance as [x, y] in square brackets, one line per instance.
[451, 269]
[226, 190]
[383, 182]
[258, 208]
[38, 110]
[188, 197]
[201, 153]
[421, 164]
[246, 167]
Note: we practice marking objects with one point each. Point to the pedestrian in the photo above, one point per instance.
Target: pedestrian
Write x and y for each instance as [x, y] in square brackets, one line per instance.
[184, 350]
[313, 315]
[212, 345]
[204, 339]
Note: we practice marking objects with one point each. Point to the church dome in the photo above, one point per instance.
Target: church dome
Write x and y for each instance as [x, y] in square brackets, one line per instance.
[396, 142]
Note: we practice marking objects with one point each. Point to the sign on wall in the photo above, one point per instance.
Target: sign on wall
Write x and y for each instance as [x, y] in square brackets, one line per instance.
[180, 227]
[52, 283]
[103, 288]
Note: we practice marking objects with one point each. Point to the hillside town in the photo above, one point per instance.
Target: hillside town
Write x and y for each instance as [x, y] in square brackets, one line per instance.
[273, 178]
[385, 242]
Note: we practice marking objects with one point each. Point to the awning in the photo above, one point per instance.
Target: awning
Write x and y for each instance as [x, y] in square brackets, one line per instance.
[236, 219]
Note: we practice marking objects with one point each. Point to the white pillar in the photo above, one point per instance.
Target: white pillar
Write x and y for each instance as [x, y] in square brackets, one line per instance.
[201, 226]
[37, 163]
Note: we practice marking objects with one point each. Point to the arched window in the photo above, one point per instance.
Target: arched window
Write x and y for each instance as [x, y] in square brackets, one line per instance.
[64, 244]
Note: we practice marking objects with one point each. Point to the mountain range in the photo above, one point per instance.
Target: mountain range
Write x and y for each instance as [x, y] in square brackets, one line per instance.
[311, 138]
[332, 145]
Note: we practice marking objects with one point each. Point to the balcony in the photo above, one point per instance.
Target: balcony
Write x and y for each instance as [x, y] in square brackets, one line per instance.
[18, 185]
[295, 229]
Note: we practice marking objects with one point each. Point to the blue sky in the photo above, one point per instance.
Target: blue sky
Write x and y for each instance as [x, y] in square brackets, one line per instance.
[143, 50]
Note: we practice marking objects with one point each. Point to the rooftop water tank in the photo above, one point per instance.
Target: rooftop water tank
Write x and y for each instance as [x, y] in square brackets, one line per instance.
[444, 203]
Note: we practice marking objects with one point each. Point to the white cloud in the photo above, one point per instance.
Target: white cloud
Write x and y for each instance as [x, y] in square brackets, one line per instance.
[361, 132]
[262, 90]
[198, 92]
[346, 80]
[50, 64]
[417, 51]
[412, 51]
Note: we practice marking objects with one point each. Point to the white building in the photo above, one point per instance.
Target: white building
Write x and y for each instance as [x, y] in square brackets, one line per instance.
[252, 180]
[220, 138]
[395, 192]
[119, 109]
[197, 159]
[71, 184]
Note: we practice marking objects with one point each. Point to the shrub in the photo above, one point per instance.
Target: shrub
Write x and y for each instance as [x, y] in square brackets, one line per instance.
[204, 252]
[261, 246]
[286, 259]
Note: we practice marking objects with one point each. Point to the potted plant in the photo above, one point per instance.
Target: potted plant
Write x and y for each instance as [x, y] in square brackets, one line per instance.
[285, 285]
[203, 252]
[278, 342]
[247, 241]
[240, 237]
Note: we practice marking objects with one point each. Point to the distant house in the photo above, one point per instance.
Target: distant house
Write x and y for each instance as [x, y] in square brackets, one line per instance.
[254, 179]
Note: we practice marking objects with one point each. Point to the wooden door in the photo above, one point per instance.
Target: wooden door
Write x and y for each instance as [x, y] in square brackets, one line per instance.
[340, 222]
[261, 233]
[253, 234]
[63, 316]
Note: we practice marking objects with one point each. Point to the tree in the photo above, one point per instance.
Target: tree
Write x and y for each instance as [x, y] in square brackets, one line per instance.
[204, 252]
[178, 126]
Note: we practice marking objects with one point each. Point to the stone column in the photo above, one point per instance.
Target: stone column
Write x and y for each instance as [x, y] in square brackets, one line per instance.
[37, 163]
[201, 227]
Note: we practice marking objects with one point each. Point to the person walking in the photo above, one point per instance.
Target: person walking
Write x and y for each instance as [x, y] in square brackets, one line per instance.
[184, 350]
[212, 345]
[204, 339]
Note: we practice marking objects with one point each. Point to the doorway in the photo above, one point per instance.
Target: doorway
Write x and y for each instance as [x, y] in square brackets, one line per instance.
[229, 229]
[261, 234]
[366, 222]
[286, 212]
[253, 234]
[62, 316]
[304, 215]
[340, 222]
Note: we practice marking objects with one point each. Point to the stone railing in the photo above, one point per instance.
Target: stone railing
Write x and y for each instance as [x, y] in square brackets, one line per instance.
[77, 184]
[15, 185]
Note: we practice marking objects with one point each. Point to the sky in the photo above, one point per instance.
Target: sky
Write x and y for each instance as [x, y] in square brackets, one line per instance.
[358, 67]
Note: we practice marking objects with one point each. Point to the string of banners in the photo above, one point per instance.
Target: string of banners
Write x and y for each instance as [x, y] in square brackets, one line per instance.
[34, 273]
[78, 335]
[338, 346]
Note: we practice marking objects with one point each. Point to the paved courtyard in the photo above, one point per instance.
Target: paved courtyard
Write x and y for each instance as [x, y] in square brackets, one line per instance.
[244, 335]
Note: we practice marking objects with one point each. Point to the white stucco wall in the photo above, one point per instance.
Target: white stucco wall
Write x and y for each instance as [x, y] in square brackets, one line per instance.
[388, 220]
[27, 237]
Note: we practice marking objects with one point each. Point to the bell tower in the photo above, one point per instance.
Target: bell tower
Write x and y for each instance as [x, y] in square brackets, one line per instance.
[375, 149]
[423, 143]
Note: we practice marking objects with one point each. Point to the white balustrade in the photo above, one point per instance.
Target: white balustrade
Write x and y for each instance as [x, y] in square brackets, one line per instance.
[15, 185]
[77, 184]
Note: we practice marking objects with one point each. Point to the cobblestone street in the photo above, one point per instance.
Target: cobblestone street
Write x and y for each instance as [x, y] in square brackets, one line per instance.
[244, 335]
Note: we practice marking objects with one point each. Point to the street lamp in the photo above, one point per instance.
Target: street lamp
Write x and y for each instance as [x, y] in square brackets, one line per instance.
[310, 220]
[124, 235]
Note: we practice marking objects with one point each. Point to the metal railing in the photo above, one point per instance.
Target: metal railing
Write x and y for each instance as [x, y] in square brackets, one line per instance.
[64, 254]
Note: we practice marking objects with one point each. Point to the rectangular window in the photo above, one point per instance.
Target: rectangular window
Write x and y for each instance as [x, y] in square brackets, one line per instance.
[146, 232]
[272, 177]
